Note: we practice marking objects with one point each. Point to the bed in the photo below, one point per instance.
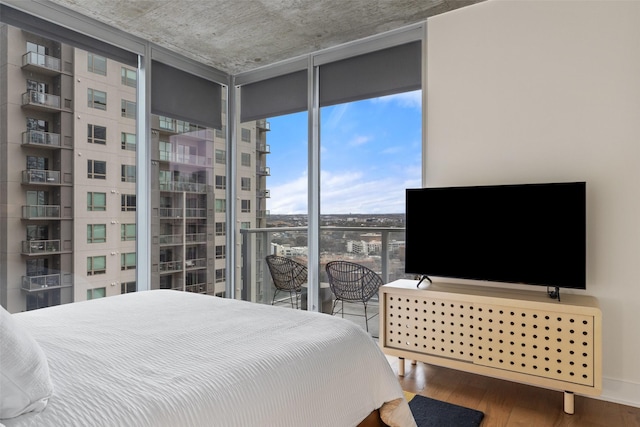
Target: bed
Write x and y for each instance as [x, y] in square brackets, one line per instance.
[169, 358]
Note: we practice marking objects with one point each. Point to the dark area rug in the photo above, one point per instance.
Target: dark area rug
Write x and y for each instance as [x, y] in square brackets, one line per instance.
[434, 413]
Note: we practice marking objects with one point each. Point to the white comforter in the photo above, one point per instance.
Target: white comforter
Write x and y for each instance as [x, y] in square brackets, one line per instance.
[168, 358]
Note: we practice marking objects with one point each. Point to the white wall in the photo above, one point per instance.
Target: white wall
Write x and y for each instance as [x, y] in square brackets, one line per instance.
[544, 91]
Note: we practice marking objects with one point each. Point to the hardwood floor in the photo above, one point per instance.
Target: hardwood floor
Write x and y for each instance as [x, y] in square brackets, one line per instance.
[505, 403]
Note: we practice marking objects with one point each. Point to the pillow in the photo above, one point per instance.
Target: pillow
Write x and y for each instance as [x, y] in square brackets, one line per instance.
[25, 384]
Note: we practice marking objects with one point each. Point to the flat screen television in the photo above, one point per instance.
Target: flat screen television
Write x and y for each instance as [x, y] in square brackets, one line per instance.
[531, 234]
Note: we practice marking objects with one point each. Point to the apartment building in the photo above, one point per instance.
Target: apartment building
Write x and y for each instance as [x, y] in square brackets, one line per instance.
[68, 181]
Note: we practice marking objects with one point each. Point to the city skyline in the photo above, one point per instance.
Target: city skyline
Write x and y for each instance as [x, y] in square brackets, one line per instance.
[365, 146]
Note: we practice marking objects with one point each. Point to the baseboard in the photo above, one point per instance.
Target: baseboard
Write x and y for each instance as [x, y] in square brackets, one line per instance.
[622, 392]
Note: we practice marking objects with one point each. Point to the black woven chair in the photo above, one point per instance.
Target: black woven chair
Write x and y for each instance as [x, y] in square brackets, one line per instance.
[288, 275]
[352, 282]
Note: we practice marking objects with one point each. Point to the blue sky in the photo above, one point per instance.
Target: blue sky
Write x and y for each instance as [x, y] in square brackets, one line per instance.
[370, 152]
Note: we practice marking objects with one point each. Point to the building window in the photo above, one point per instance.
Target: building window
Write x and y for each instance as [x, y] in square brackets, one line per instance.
[128, 141]
[96, 201]
[128, 173]
[96, 293]
[96, 265]
[97, 64]
[167, 123]
[245, 206]
[221, 156]
[245, 159]
[96, 169]
[127, 232]
[221, 133]
[221, 182]
[97, 99]
[245, 225]
[96, 233]
[128, 202]
[96, 134]
[129, 77]
[245, 183]
[220, 229]
[220, 275]
[221, 251]
[128, 261]
[128, 109]
[128, 287]
[221, 205]
[246, 135]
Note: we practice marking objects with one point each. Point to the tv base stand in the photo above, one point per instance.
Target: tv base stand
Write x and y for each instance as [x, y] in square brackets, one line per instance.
[522, 336]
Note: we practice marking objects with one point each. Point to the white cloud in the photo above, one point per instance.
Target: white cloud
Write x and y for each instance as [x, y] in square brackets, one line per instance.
[347, 192]
[359, 140]
[405, 99]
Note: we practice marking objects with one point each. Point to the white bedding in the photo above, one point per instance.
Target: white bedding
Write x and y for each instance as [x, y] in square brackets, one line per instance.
[168, 358]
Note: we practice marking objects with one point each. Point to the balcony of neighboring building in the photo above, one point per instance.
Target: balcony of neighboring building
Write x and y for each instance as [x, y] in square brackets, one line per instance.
[178, 213]
[41, 212]
[40, 139]
[184, 159]
[263, 171]
[41, 64]
[40, 101]
[170, 266]
[263, 148]
[195, 263]
[263, 194]
[187, 187]
[40, 177]
[262, 214]
[42, 283]
[263, 124]
[40, 247]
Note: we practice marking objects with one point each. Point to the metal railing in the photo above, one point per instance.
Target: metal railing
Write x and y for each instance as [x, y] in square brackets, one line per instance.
[170, 239]
[32, 247]
[170, 266]
[33, 97]
[40, 211]
[263, 148]
[192, 187]
[39, 283]
[379, 248]
[41, 60]
[38, 137]
[38, 176]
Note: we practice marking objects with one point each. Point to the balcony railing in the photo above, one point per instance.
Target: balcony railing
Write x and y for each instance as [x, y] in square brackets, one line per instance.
[35, 247]
[263, 148]
[263, 124]
[263, 193]
[196, 238]
[262, 214]
[39, 138]
[177, 186]
[379, 248]
[41, 100]
[41, 283]
[195, 263]
[186, 159]
[38, 176]
[171, 239]
[264, 171]
[40, 61]
[170, 266]
[198, 288]
[40, 211]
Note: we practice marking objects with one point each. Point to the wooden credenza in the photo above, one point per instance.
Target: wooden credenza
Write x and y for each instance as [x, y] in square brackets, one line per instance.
[522, 336]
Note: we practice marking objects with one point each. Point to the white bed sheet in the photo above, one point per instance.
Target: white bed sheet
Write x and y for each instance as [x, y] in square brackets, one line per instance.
[168, 358]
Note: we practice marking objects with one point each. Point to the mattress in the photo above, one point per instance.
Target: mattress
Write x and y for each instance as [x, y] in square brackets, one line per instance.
[169, 358]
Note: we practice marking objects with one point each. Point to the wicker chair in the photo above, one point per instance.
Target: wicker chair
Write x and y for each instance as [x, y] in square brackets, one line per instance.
[352, 282]
[288, 276]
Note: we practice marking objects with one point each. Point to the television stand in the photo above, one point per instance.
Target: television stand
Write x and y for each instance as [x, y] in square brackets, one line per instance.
[522, 336]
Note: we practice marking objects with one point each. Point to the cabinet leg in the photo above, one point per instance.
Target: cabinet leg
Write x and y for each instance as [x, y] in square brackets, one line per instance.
[569, 402]
[401, 366]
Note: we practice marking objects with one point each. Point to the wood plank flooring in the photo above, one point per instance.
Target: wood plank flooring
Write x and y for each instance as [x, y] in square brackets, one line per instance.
[506, 403]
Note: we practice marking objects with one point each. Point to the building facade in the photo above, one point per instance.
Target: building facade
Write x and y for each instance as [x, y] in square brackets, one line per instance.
[68, 182]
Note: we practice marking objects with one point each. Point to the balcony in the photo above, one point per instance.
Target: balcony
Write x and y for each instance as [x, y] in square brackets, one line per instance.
[263, 171]
[40, 247]
[189, 187]
[41, 283]
[262, 214]
[171, 239]
[379, 248]
[263, 124]
[263, 148]
[263, 193]
[185, 159]
[41, 64]
[182, 213]
[40, 177]
[41, 212]
[196, 238]
[170, 266]
[191, 264]
[41, 139]
[41, 101]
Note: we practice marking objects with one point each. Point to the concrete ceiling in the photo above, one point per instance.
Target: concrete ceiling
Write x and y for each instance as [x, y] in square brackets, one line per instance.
[240, 35]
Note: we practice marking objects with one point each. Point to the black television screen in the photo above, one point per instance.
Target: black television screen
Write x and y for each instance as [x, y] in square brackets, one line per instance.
[528, 233]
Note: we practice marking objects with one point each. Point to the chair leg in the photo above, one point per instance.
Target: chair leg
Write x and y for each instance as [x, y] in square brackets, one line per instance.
[333, 307]
[291, 299]
[366, 319]
[273, 300]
